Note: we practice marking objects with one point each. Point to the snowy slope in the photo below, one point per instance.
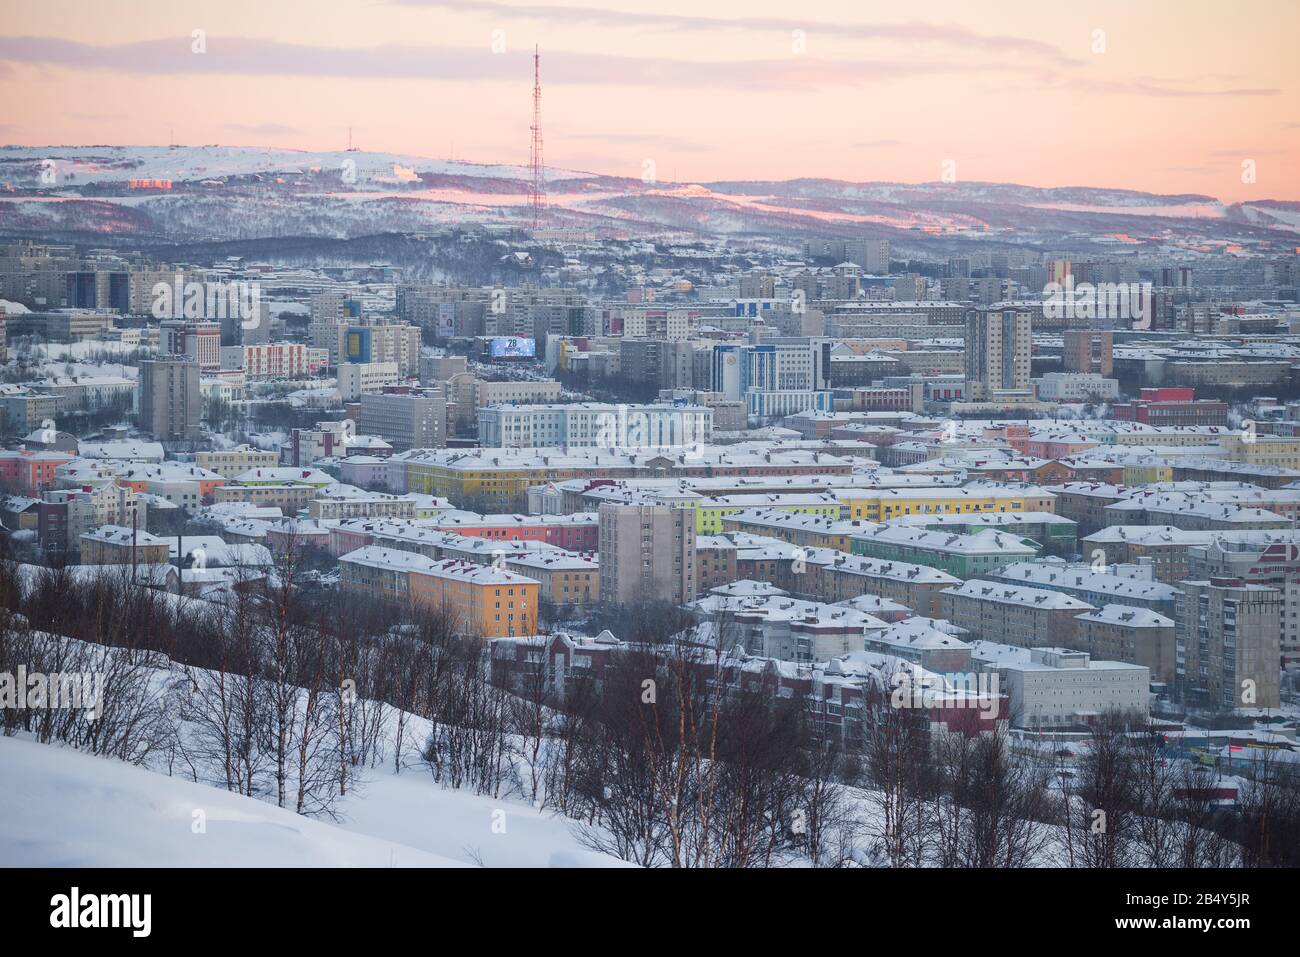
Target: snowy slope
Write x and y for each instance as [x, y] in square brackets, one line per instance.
[99, 163]
[236, 193]
[62, 808]
[464, 826]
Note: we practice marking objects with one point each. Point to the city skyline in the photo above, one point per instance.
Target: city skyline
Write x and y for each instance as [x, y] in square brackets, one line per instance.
[1004, 93]
[608, 434]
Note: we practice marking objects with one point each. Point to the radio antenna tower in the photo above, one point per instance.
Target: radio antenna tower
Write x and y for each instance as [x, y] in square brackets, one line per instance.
[537, 190]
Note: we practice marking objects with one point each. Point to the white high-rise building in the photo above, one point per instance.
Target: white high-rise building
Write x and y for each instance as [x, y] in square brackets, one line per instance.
[356, 378]
[591, 424]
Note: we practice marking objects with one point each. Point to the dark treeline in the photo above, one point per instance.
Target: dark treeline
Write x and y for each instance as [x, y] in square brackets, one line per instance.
[672, 760]
[272, 692]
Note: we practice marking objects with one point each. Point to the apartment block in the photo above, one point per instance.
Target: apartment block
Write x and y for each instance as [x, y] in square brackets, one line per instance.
[230, 463]
[28, 472]
[381, 342]
[119, 545]
[23, 409]
[201, 341]
[590, 424]
[485, 600]
[1029, 617]
[271, 360]
[647, 553]
[65, 515]
[1136, 635]
[881, 505]
[1053, 687]
[565, 578]
[406, 419]
[1229, 644]
[1269, 558]
[919, 587]
[357, 378]
[964, 556]
[997, 354]
[1089, 350]
[171, 407]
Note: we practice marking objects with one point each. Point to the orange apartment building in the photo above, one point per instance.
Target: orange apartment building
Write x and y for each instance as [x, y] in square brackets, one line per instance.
[485, 600]
[30, 472]
[480, 599]
[564, 578]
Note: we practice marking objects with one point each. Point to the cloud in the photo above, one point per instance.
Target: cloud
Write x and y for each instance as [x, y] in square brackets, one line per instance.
[248, 56]
[913, 32]
[1147, 88]
[244, 56]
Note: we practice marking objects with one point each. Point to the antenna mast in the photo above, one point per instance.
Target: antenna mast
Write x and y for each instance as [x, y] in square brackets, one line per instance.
[537, 190]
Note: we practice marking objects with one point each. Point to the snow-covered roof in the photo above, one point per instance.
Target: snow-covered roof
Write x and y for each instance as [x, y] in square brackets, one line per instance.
[1003, 593]
[1128, 616]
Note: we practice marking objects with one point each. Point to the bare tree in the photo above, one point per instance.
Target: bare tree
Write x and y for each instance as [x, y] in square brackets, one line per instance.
[897, 767]
[1101, 820]
[1269, 805]
[227, 704]
[1006, 821]
[1202, 824]
[827, 830]
[529, 713]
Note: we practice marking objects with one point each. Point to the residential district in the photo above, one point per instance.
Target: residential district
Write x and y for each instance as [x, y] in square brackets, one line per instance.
[1079, 474]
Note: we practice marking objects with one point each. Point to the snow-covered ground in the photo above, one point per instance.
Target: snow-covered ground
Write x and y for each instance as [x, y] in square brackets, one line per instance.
[79, 165]
[60, 807]
[63, 808]
[466, 827]
[76, 352]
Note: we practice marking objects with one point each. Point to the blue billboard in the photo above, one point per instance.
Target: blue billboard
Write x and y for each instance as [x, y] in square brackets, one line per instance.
[512, 347]
[356, 344]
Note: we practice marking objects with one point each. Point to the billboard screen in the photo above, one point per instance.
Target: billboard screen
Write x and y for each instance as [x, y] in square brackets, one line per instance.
[356, 345]
[446, 320]
[512, 347]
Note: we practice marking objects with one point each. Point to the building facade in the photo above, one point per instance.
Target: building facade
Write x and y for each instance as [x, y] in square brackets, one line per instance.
[647, 553]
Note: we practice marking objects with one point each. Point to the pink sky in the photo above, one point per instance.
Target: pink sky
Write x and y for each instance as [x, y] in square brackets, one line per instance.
[1183, 92]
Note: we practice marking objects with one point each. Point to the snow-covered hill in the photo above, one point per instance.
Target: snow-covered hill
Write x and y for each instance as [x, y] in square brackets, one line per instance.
[60, 806]
[63, 808]
[240, 193]
[93, 164]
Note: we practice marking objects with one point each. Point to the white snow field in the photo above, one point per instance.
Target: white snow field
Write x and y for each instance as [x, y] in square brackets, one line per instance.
[62, 808]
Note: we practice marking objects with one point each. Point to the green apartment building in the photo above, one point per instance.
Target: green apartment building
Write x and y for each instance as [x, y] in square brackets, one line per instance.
[1056, 534]
[965, 556]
